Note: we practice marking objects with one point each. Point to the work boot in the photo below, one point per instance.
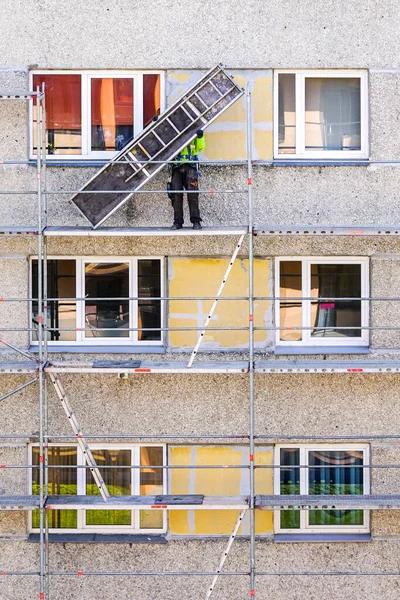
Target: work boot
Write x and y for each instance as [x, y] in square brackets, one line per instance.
[176, 226]
[196, 225]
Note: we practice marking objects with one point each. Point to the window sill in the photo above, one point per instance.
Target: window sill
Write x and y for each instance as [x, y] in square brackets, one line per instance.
[322, 537]
[96, 538]
[321, 350]
[321, 162]
[80, 349]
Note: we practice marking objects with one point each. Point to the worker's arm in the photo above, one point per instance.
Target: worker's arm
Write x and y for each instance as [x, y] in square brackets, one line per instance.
[199, 141]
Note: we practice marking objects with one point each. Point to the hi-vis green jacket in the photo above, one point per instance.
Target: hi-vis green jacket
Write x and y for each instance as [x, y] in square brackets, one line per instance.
[191, 151]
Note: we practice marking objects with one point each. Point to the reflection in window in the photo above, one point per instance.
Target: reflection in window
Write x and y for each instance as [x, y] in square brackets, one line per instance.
[62, 482]
[290, 310]
[332, 114]
[149, 286]
[287, 114]
[151, 97]
[63, 113]
[151, 484]
[61, 314]
[107, 280]
[290, 485]
[330, 282]
[112, 113]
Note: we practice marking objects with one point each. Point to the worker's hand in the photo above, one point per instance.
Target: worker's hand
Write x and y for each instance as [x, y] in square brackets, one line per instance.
[199, 133]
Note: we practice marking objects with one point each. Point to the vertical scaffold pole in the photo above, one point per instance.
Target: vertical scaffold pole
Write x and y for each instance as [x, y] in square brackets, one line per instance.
[251, 337]
[45, 349]
[40, 341]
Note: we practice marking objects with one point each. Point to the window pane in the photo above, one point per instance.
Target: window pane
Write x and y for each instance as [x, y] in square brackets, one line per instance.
[151, 484]
[290, 310]
[112, 113]
[63, 113]
[62, 482]
[332, 113]
[335, 472]
[151, 97]
[287, 114]
[330, 282]
[290, 485]
[149, 286]
[118, 482]
[61, 283]
[107, 280]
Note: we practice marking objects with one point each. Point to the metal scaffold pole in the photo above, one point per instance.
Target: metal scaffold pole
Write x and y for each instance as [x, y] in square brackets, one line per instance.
[251, 338]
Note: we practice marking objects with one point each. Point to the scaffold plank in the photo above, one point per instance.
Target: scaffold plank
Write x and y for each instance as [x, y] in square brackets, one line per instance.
[149, 367]
[327, 366]
[145, 502]
[142, 231]
[326, 230]
[17, 230]
[18, 367]
[19, 502]
[348, 502]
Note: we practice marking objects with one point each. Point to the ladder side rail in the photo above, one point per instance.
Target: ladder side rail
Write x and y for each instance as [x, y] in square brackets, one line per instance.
[79, 437]
[214, 305]
[226, 552]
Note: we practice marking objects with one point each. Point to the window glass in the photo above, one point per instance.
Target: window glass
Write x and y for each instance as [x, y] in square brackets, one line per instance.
[335, 472]
[287, 114]
[61, 283]
[151, 484]
[329, 282]
[118, 482]
[63, 113]
[107, 280]
[151, 97]
[290, 310]
[290, 485]
[61, 482]
[332, 113]
[112, 113]
[149, 286]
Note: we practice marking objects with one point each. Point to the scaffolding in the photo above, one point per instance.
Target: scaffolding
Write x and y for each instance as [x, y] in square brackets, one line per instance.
[45, 371]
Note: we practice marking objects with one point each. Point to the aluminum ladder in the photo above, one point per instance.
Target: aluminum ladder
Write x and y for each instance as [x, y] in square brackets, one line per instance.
[161, 141]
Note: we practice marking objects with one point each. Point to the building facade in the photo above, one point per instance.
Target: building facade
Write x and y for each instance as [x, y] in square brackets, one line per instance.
[300, 399]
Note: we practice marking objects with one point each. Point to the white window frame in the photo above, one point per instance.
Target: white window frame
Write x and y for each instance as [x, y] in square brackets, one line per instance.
[81, 490]
[86, 78]
[301, 152]
[308, 340]
[81, 339]
[304, 514]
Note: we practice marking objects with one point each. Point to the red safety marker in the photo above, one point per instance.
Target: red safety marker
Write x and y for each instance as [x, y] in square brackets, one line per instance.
[4, 572]
[252, 593]
[249, 181]
[251, 318]
[355, 370]
[212, 191]
[159, 506]
[3, 466]
[357, 232]
[142, 370]
[41, 458]
[41, 596]
[40, 319]
[80, 573]
[251, 457]
[2, 300]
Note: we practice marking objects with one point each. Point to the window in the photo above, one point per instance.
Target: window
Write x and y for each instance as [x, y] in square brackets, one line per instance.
[322, 296]
[92, 114]
[121, 480]
[326, 470]
[321, 114]
[104, 312]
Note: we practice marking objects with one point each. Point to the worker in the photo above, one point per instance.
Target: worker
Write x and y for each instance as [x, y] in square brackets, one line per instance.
[185, 176]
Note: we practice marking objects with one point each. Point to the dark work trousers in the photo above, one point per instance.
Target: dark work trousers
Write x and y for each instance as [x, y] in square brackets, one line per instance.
[184, 176]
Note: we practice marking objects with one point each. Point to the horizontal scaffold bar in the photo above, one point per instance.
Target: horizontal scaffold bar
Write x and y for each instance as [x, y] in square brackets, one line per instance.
[326, 230]
[321, 502]
[142, 231]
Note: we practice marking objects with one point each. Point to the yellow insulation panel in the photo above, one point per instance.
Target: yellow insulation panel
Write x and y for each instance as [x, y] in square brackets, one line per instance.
[217, 482]
[202, 277]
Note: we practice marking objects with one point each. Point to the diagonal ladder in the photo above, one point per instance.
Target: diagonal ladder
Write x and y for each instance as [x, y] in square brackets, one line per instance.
[226, 552]
[214, 304]
[79, 437]
[161, 142]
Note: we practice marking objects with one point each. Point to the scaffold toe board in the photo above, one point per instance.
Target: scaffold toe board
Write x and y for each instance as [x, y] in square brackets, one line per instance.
[169, 501]
[328, 366]
[349, 502]
[142, 231]
[18, 367]
[326, 230]
[150, 367]
[161, 141]
[17, 230]
[19, 502]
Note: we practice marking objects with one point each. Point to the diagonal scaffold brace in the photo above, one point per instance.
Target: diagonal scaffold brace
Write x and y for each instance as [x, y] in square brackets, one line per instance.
[226, 552]
[214, 304]
[79, 437]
